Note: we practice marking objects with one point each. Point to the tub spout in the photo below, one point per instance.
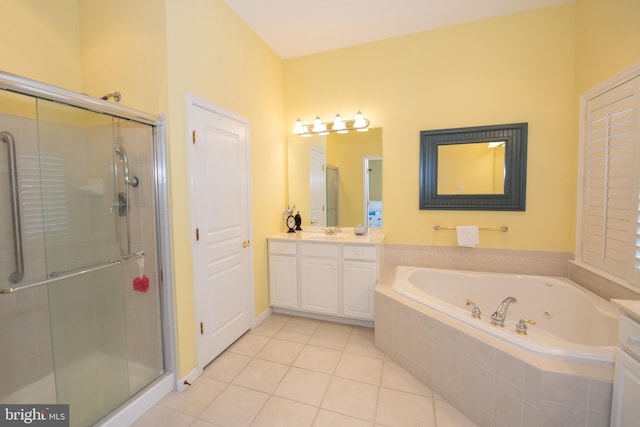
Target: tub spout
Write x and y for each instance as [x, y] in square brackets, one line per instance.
[500, 315]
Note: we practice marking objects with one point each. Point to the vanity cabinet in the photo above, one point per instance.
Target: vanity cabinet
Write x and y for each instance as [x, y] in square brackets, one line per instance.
[360, 275]
[626, 382]
[283, 274]
[323, 278]
[319, 285]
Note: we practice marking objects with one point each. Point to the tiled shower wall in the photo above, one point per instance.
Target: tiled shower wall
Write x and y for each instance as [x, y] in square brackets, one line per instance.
[26, 356]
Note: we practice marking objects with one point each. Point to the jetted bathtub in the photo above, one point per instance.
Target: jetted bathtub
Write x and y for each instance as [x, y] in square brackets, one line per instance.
[571, 323]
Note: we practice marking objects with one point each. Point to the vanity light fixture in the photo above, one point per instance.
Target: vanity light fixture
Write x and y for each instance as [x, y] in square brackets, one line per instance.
[360, 124]
[339, 125]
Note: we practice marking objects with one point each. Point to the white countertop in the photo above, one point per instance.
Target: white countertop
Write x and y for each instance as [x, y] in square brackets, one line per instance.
[630, 307]
[345, 236]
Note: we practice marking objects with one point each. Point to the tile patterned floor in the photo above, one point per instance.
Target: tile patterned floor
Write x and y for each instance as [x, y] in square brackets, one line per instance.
[296, 372]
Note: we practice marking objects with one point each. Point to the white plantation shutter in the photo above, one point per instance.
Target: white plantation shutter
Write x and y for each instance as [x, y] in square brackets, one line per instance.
[611, 167]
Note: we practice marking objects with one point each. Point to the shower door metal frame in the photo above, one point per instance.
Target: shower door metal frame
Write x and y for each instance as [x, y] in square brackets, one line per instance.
[20, 85]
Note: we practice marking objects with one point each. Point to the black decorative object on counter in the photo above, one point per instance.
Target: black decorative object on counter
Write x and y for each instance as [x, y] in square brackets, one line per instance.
[298, 220]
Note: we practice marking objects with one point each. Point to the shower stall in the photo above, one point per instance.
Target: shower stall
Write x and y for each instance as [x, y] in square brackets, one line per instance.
[84, 292]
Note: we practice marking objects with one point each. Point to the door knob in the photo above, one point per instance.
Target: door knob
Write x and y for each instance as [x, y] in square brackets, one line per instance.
[246, 244]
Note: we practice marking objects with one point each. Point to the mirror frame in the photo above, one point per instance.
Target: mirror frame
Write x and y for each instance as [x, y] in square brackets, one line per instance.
[515, 177]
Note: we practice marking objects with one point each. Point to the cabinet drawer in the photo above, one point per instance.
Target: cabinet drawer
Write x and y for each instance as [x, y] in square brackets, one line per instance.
[282, 248]
[367, 253]
[629, 335]
[319, 250]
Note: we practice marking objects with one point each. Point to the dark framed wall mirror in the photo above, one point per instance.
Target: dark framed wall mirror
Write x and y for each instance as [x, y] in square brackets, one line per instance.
[474, 168]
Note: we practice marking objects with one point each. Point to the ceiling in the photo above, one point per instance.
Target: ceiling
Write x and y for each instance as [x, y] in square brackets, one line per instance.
[294, 28]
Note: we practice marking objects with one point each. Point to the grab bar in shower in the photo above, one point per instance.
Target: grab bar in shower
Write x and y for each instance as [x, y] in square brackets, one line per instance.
[504, 228]
[17, 275]
[60, 275]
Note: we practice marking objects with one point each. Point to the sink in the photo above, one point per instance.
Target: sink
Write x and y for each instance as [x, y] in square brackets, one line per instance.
[327, 237]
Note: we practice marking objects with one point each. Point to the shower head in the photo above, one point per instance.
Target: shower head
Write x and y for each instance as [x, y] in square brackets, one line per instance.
[120, 152]
[125, 163]
[115, 95]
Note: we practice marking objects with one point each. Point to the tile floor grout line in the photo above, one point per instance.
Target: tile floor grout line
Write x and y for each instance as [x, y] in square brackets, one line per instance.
[310, 332]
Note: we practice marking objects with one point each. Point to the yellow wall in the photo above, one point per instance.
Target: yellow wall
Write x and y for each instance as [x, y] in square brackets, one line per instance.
[123, 48]
[154, 52]
[516, 68]
[214, 56]
[524, 67]
[608, 39]
[41, 40]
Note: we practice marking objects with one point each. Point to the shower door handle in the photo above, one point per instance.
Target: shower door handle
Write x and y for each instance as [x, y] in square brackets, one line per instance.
[8, 139]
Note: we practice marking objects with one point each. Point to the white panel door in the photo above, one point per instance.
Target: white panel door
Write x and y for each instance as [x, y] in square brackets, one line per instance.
[317, 187]
[219, 174]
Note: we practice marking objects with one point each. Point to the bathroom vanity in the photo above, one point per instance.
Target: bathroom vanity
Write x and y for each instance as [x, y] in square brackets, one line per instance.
[322, 275]
[626, 383]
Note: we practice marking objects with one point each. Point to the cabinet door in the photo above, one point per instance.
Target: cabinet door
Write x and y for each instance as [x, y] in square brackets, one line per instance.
[319, 285]
[283, 281]
[626, 389]
[359, 280]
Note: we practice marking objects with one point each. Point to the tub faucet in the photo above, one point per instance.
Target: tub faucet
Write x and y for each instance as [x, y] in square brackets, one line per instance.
[500, 315]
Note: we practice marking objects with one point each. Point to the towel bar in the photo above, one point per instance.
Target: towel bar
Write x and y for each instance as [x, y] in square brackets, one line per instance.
[503, 228]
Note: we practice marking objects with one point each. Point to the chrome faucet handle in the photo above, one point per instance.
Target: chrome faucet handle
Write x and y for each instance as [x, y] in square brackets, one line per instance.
[521, 326]
[475, 311]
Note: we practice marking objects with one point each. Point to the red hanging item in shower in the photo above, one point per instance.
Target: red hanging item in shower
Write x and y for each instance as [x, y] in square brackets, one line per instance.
[141, 283]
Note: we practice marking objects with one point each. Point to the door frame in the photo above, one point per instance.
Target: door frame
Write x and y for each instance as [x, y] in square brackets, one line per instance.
[365, 186]
[195, 101]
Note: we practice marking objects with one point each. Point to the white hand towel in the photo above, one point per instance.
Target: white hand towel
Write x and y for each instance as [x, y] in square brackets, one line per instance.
[468, 236]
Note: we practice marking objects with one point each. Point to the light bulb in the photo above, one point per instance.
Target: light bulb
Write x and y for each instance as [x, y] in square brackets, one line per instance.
[360, 122]
[298, 128]
[317, 125]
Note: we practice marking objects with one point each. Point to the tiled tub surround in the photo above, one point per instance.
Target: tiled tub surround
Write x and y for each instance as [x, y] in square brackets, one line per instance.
[479, 259]
[599, 285]
[570, 322]
[505, 261]
[492, 382]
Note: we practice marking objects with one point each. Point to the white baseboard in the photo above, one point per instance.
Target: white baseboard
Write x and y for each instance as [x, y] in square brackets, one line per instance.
[261, 317]
[187, 380]
[139, 404]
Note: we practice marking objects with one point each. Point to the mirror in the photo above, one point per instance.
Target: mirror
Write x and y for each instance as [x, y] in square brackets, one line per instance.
[476, 168]
[336, 179]
[473, 168]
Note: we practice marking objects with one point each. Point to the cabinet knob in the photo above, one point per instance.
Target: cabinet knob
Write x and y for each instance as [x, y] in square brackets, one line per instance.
[246, 244]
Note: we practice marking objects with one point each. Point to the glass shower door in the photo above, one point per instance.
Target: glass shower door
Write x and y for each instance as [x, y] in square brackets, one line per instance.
[86, 312]
[83, 324]
[26, 365]
[98, 217]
